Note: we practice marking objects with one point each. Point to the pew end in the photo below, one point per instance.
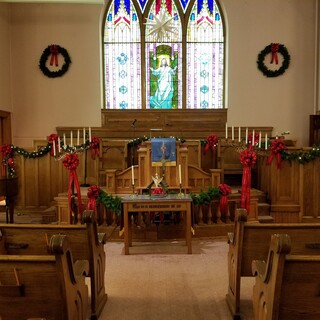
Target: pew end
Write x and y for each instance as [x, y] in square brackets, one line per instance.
[286, 286]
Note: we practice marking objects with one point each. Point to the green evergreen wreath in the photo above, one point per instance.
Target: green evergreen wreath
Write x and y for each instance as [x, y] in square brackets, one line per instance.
[269, 49]
[53, 51]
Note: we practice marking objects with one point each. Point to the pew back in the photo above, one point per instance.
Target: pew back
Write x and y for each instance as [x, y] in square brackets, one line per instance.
[43, 286]
[286, 286]
[250, 241]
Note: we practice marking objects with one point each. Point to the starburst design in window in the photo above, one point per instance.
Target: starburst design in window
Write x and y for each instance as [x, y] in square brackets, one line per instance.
[161, 26]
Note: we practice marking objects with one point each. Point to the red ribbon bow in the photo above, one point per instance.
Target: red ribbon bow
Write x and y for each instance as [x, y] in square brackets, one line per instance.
[7, 157]
[93, 194]
[95, 147]
[53, 139]
[274, 52]
[247, 158]
[212, 142]
[54, 50]
[71, 162]
[277, 146]
[224, 191]
[256, 138]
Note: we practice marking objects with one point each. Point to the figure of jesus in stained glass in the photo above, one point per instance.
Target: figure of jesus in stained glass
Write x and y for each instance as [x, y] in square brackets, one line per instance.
[162, 98]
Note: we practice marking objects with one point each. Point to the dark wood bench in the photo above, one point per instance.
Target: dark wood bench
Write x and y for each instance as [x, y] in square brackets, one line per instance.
[44, 286]
[287, 286]
[85, 241]
[250, 241]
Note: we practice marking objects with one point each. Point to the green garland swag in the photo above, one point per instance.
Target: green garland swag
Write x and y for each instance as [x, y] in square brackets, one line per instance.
[273, 73]
[44, 57]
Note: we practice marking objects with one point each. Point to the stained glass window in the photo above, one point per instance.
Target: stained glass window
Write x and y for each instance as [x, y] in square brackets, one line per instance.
[163, 54]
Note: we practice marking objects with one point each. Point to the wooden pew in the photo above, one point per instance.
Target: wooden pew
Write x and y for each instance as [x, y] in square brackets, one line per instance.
[44, 286]
[250, 241]
[85, 241]
[286, 286]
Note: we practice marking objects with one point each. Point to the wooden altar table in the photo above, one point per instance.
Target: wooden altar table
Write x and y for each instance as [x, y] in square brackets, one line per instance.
[146, 203]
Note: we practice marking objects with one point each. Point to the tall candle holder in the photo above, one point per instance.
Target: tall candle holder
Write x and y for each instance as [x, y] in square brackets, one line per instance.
[133, 194]
[180, 194]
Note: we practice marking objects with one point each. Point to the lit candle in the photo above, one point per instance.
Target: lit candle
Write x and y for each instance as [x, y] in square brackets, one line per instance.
[266, 141]
[54, 147]
[132, 175]
[239, 135]
[232, 133]
[59, 147]
[71, 138]
[253, 137]
[260, 139]
[78, 137]
[64, 139]
[226, 131]
[180, 180]
[89, 134]
[246, 135]
[84, 136]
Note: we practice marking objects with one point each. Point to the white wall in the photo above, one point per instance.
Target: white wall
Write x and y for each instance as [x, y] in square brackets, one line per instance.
[5, 76]
[40, 104]
[284, 102]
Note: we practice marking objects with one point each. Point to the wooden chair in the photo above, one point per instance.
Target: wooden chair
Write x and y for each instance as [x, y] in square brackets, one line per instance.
[85, 242]
[250, 241]
[44, 286]
[286, 286]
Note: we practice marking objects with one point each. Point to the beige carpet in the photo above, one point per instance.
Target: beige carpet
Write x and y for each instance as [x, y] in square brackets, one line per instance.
[159, 281]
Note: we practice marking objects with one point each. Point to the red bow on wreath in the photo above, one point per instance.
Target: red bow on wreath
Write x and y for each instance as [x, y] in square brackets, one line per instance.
[277, 146]
[274, 52]
[93, 194]
[212, 142]
[256, 138]
[53, 139]
[54, 50]
[224, 191]
[247, 158]
[71, 162]
[95, 147]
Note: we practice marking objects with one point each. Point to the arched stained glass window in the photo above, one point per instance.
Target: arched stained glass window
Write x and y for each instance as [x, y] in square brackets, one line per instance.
[163, 54]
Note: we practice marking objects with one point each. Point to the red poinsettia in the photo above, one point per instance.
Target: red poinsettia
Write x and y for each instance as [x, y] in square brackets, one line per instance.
[158, 190]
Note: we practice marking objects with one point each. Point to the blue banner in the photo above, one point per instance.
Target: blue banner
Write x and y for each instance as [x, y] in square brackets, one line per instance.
[163, 151]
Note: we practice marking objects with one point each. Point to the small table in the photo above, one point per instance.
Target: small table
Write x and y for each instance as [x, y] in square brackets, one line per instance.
[143, 203]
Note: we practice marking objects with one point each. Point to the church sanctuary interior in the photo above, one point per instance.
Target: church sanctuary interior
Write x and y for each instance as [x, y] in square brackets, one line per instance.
[160, 159]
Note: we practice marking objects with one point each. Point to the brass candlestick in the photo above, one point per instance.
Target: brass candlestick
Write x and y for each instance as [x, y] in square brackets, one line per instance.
[133, 195]
[180, 194]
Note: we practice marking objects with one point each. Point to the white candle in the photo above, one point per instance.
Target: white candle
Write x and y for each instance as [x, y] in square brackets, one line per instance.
[226, 131]
[84, 136]
[232, 133]
[239, 134]
[89, 134]
[71, 138]
[54, 147]
[59, 147]
[132, 175]
[64, 139]
[266, 141]
[246, 135]
[260, 139]
[252, 137]
[78, 137]
[180, 180]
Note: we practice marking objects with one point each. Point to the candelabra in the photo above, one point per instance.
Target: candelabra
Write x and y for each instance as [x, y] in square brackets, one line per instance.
[180, 194]
[133, 194]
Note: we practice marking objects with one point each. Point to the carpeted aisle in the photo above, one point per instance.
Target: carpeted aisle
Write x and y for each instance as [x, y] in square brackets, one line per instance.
[159, 281]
